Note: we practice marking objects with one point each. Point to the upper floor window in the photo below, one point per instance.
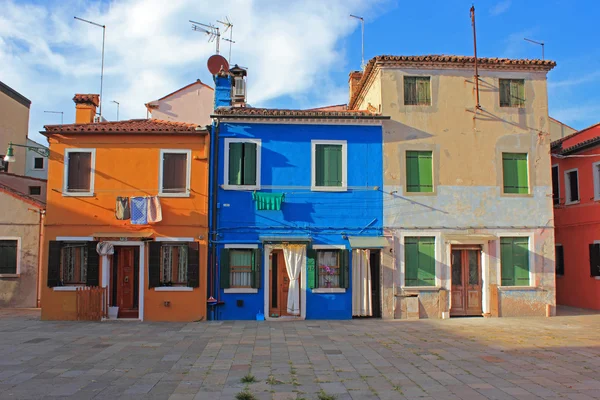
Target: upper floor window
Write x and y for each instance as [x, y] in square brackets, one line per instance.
[512, 93]
[596, 174]
[329, 166]
[3, 164]
[79, 172]
[572, 186]
[8, 256]
[515, 173]
[417, 91]
[560, 260]
[242, 164]
[555, 185]
[38, 163]
[419, 171]
[175, 167]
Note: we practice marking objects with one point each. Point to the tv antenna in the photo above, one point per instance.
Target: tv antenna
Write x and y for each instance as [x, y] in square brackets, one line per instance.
[210, 30]
[536, 42]
[362, 29]
[228, 27]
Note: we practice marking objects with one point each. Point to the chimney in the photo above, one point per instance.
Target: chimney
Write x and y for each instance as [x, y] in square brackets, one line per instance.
[353, 79]
[85, 107]
[238, 91]
[222, 89]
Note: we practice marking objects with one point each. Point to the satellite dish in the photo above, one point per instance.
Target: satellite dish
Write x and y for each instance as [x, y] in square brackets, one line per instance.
[215, 62]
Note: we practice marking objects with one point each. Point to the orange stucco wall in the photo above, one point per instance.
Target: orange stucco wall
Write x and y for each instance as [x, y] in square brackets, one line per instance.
[576, 227]
[128, 165]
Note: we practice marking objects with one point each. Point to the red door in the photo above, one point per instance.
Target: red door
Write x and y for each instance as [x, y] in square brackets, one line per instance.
[126, 283]
[466, 281]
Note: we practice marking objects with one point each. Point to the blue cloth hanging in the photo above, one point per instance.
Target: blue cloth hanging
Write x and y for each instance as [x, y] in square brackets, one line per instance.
[139, 211]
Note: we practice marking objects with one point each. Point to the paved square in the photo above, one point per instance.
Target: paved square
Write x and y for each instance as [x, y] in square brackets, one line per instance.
[475, 358]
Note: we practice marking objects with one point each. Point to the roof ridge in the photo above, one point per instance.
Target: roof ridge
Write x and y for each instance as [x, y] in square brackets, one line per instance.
[15, 193]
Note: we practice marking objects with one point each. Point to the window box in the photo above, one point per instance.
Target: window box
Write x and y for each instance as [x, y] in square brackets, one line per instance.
[329, 168]
[174, 174]
[79, 172]
[242, 164]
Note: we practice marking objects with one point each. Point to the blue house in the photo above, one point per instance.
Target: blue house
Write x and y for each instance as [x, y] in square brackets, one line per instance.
[297, 215]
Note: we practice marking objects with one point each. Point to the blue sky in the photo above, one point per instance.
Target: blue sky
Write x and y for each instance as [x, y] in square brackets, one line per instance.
[298, 53]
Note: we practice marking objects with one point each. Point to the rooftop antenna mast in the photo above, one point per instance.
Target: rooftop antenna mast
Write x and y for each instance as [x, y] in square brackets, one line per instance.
[477, 105]
[228, 27]
[536, 42]
[362, 29]
[211, 30]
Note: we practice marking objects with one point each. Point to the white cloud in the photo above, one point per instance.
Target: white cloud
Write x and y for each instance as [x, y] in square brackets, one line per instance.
[289, 47]
[582, 115]
[500, 8]
[567, 83]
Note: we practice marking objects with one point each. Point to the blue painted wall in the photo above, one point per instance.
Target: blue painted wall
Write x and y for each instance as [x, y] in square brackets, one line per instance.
[324, 216]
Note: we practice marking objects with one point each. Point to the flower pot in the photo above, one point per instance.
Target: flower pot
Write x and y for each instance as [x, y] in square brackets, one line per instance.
[113, 312]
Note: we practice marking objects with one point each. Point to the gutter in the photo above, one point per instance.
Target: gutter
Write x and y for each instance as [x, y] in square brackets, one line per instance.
[349, 117]
[214, 157]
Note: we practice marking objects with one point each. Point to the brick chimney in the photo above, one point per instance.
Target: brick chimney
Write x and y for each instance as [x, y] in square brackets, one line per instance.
[85, 107]
[353, 80]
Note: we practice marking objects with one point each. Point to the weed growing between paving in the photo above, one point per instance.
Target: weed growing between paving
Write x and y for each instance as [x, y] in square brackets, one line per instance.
[248, 378]
[245, 395]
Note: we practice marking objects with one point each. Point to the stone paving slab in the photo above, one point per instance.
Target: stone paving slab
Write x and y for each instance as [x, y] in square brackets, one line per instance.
[456, 359]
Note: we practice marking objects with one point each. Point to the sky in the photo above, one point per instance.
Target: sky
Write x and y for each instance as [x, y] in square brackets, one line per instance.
[298, 52]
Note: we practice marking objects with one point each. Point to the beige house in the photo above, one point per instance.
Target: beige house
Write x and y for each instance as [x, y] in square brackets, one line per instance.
[558, 130]
[467, 186]
[21, 230]
[14, 124]
[192, 103]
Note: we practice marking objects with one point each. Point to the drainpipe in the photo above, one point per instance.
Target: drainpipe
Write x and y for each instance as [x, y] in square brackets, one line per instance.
[213, 211]
[40, 252]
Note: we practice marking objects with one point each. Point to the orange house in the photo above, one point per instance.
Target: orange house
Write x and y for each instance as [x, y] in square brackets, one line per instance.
[127, 209]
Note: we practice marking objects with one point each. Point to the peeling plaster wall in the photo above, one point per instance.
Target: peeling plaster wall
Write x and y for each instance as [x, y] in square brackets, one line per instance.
[467, 146]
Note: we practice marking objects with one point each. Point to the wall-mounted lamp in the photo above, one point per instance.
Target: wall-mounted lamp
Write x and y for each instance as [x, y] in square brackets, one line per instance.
[10, 152]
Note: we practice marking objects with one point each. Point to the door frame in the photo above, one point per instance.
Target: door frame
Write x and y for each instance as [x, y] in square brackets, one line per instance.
[106, 271]
[267, 250]
[465, 279]
[485, 270]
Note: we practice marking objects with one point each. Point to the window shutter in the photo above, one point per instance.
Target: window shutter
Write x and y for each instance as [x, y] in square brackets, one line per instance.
[594, 259]
[93, 265]
[521, 261]
[509, 173]
[425, 171]
[332, 165]
[412, 171]
[312, 277]
[319, 165]
[54, 248]
[423, 93]
[224, 268]
[410, 90]
[574, 186]
[344, 265]
[249, 164]
[411, 261]
[506, 262]
[193, 267]
[235, 163]
[256, 263]
[426, 273]
[522, 173]
[555, 186]
[504, 92]
[154, 265]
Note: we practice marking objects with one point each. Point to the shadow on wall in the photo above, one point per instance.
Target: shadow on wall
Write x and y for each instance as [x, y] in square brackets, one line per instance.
[395, 131]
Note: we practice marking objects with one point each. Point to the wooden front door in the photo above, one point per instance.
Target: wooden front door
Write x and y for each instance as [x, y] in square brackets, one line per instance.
[466, 281]
[279, 285]
[126, 281]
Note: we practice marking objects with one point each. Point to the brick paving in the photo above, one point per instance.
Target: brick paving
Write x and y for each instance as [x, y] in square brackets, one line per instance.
[474, 358]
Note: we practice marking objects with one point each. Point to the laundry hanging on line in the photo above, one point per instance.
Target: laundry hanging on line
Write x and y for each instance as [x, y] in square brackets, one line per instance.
[145, 210]
[154, 210]
[122, 210]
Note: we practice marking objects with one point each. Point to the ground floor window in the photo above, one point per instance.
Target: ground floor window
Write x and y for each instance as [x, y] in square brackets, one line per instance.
[560, 260]
[73, 263]
[174, 265]
[514, 261]
[419, 261]
[240, 268]
[327, 268]
[8, 256]
[73, 266]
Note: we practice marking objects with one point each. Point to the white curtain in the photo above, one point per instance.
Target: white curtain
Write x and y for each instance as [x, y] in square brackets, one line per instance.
[361, 284]
[294, 260]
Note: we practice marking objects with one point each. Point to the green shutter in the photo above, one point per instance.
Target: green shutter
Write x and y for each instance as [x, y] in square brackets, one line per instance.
[412, 171]
[311, 275]
[419, 171]
[235, 163]
[328, 165]
[256, 263]
[224, 268]
[515, 171]
[344, 265]
[249, 171]
[423, 92]
[517, 92]
[319, 165]
[507, 265]
[522, 173]
[411, 261]
[521, 261]
[504, 92]
[410, 90]
[426, 273]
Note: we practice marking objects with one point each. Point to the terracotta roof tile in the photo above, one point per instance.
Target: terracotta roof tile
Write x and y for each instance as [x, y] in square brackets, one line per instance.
[87, 98]
[581, 145]
[284, 113]
[450, 61]
[128, 126]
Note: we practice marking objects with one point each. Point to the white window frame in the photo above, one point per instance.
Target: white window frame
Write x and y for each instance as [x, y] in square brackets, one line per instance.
[558, 175]
[235, 246]
[530, 248]
[596, 175]
[18, 270]
[318, 247]
[313, 186]
[188, 172]
[43, 164]
[65, 192]
[438, 257]
[568, 186]
[226, 184]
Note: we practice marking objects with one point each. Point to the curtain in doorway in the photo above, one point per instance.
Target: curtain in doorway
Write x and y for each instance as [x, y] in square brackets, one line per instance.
[294, 256]
[361, 284]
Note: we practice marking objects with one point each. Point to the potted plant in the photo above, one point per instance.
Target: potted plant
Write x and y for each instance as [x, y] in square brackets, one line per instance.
[329, 271]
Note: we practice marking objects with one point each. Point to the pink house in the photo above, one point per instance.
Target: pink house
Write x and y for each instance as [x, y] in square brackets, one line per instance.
[192, 104]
